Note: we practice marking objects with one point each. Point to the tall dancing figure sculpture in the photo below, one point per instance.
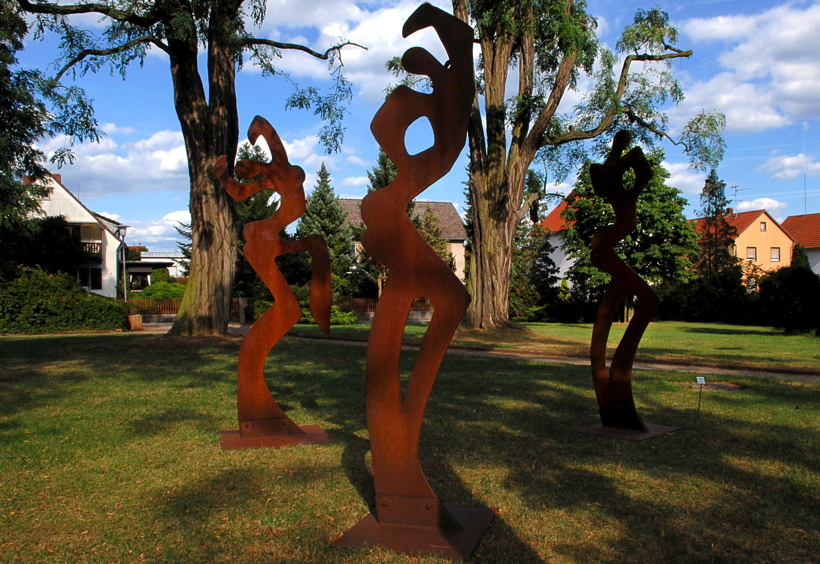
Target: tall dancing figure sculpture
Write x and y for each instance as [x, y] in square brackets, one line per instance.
[262, 423]
[409, 516]
[614, 389]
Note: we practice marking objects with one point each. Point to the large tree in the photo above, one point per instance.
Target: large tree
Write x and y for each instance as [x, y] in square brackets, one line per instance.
[205, 103]
[659, 249]
[716, 234]
[549, 44]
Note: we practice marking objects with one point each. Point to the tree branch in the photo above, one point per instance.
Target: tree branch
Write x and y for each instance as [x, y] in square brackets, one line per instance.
[112, 51]
[154, 15]
[575, 135]
[297, 47]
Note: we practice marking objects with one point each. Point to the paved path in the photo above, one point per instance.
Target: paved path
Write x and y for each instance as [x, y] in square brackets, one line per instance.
[795, 375]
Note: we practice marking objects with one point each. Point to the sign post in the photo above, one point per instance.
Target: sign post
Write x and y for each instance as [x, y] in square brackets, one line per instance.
[701, 381]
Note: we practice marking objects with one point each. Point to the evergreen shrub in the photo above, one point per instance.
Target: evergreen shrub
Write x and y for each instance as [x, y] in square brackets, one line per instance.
[38, 302]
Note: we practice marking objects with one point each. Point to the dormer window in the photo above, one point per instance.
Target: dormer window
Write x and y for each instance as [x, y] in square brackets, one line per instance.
[763, 226]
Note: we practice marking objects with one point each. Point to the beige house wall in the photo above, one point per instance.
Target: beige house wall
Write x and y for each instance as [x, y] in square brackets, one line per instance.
[459, 253]
[763, 242]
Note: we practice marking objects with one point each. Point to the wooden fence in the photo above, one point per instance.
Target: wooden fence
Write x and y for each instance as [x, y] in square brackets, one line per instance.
[344, 303]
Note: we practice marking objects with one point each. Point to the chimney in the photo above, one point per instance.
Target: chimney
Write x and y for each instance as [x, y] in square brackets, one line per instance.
[58, 178]
[729, 211]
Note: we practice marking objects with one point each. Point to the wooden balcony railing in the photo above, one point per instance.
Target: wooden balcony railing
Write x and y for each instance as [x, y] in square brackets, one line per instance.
[93, 250]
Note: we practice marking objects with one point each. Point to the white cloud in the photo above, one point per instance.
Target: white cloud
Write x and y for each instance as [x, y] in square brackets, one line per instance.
[355, 181]
[356, 160]
[771, 69]
[772, 206]
[159, 235]
[787, 168]
[686, 180]
[156, 163]
[114, 129]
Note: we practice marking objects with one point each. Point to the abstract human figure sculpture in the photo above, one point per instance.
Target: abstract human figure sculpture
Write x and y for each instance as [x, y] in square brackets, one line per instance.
[262, 423]
[614, 389]
[408, 516]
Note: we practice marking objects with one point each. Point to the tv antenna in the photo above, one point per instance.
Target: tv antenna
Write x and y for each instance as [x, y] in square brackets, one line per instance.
[736, 188]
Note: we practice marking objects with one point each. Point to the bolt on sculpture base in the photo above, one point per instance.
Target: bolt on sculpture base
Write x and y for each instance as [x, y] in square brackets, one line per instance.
[262, 423]
[409, 516]
[613, 388]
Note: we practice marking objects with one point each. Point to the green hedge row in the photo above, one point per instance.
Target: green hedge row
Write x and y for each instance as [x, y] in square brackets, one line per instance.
[38, 302]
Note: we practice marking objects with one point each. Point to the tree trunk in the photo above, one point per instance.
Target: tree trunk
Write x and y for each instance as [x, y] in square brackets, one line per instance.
[210, 129]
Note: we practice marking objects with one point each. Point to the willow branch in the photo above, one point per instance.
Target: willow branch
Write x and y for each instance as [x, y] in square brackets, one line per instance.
[112, 51]
[297, 47]
[154, 15]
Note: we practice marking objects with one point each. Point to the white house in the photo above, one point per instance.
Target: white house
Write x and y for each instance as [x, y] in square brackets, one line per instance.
[555, 224]
[102, 238]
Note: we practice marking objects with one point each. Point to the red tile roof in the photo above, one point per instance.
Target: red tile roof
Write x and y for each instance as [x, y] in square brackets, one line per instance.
[554, 222]
[804, 229]
[740, 221]
[452, 228]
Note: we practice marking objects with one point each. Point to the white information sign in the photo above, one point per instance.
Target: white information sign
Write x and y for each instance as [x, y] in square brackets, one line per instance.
[701, 380]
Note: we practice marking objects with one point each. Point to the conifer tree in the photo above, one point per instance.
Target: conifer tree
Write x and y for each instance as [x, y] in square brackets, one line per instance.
[716, 234]
[325, 216]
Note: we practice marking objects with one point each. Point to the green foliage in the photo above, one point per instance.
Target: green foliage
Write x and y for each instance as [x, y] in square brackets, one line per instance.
[800, 259]
[719, 296]
[790, 298]
[429, 225]
[160, 275]
[45, 243]
[533, 274]
[337, 317]
[716, 235]
[162, 291]
[38, 302]
[135, 253]
[658, 249]
[325, 216]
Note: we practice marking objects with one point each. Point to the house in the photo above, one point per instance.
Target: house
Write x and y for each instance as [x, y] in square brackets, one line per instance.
[139, 271]
[554, 224]
[759, 239]
[102, 238]
[805, 230]
[451, 225]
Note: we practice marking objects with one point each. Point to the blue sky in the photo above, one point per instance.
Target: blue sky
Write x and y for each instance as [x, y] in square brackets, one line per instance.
[755, 60]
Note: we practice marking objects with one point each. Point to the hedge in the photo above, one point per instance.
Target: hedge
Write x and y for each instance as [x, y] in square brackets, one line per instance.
[38, 302]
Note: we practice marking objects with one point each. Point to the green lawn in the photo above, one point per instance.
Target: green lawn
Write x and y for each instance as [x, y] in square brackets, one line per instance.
[669, 341]
[109, 453]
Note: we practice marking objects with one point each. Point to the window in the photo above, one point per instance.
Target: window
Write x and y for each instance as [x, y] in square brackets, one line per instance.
[751, 253]
[90, 278]
[763, 226]
[775, 254]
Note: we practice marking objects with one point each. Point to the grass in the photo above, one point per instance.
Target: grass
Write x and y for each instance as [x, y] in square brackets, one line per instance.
[110, 454]
[708, 344]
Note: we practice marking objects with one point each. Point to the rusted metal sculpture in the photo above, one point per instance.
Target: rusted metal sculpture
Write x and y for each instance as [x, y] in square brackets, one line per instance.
[262, 423]
[408, 516]
[613, 390]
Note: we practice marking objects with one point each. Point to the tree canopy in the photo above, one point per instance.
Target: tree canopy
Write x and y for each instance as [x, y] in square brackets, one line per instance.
[542, 48]
[205, 103]
[659, 250]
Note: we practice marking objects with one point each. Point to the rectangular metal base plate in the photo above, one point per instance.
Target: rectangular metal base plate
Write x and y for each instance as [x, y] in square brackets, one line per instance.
[408, 539]
[313, 435]
[600, 429]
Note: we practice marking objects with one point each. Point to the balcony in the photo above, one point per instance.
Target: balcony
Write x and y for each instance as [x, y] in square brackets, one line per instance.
[93, 250]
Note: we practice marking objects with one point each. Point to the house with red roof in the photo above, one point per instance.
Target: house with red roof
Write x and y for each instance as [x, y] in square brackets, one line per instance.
[452, 227]
[554, 224]
[805, 230]
[759, 239]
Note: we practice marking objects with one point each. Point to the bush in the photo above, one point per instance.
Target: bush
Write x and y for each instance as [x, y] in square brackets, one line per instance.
[789, 299]
[337, 317]
[159, 275]
[38, 302]
[162, 291]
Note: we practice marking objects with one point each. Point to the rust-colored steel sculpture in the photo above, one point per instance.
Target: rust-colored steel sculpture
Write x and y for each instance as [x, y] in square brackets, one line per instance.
[408, 516]
[262, 423]
[619, 417]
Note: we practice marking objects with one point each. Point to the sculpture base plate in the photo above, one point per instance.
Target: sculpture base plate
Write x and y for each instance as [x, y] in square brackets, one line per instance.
[653, 431]
[414, 539]
[313, 435]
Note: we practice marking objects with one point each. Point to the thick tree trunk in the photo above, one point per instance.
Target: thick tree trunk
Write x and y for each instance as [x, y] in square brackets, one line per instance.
[210, 129]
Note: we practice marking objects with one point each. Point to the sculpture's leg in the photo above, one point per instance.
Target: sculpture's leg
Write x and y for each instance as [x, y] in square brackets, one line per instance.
[262, 423]
[403, 494]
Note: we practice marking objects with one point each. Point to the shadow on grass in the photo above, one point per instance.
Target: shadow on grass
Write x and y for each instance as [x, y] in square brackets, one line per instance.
[727, 331]
[739, 484]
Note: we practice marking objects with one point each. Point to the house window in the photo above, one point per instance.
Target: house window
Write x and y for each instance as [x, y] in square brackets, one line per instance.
[90, 278]
[775, 254]
[763, 226]
[751, 253]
